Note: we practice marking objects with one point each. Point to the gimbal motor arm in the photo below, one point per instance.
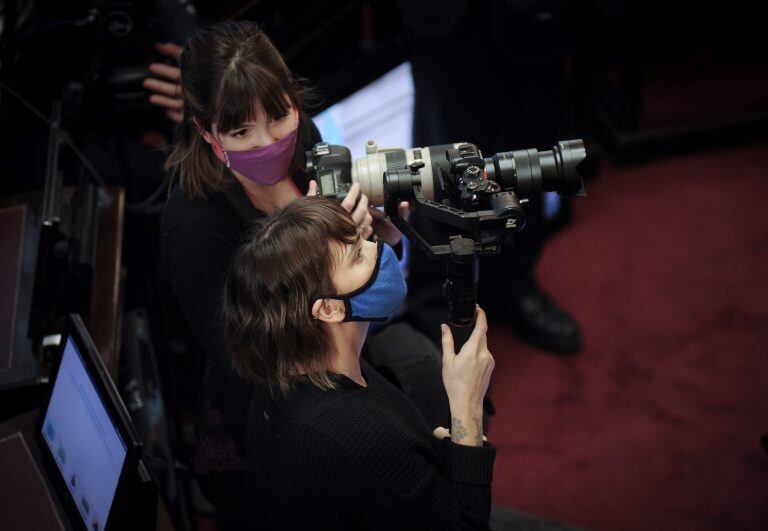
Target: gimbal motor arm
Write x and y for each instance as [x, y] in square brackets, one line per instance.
[461, 253]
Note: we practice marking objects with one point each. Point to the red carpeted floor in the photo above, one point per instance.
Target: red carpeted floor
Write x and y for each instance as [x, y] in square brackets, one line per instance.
[656, 424]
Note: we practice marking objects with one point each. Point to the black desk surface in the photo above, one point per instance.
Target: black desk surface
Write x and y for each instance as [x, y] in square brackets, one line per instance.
[26, 500]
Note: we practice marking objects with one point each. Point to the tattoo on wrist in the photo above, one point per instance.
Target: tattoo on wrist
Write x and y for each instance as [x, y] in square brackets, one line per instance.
[460, 433]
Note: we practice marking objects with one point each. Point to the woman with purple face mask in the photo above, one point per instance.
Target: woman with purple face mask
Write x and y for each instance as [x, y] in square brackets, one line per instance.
[238, 156]
[258, 153]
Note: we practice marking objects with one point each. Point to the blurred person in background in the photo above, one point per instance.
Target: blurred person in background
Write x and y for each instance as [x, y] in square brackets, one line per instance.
[519, 100]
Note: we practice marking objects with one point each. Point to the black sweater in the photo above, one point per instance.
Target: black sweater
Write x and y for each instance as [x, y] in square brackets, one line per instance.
[360, 458]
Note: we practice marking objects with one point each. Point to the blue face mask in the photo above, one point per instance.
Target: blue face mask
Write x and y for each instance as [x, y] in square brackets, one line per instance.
[381, 295]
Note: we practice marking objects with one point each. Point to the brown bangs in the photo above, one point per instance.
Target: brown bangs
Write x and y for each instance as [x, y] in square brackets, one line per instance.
[244, 84]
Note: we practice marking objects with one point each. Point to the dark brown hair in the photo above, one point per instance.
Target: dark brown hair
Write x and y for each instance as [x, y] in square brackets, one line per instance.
[228, 71]
[276, 276]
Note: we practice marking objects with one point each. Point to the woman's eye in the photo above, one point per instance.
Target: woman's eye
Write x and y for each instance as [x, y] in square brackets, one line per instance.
[240, 133]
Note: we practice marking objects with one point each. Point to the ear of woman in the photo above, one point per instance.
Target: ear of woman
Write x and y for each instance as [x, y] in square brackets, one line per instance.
[329, 310]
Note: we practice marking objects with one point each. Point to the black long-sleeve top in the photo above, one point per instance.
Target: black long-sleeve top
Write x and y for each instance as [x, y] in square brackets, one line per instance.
[360, 458]
[199, 237]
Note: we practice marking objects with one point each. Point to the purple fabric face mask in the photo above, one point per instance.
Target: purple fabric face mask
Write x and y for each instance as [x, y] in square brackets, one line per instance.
[264, 165]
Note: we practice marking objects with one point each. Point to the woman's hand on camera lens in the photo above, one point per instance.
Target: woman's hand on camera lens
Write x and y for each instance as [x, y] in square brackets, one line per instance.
[360, 214]
[166, 86]
[466, 376]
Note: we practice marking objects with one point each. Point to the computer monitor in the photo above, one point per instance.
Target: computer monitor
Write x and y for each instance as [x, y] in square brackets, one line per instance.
[381, 111]
[88, 444]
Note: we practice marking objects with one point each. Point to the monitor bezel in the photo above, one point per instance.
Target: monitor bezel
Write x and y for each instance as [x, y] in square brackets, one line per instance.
[116, 410]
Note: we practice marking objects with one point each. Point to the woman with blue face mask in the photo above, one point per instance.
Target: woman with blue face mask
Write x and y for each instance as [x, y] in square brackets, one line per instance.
[332, 444]
[237, 157]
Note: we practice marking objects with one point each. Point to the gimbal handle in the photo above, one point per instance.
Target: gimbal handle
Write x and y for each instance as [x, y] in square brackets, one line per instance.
[462, 264]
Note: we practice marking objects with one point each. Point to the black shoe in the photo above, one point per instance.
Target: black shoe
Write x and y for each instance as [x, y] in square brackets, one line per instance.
[539, 321]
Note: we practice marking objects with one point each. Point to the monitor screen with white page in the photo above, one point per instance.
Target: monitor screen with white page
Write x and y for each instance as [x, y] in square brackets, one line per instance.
[85, 434]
